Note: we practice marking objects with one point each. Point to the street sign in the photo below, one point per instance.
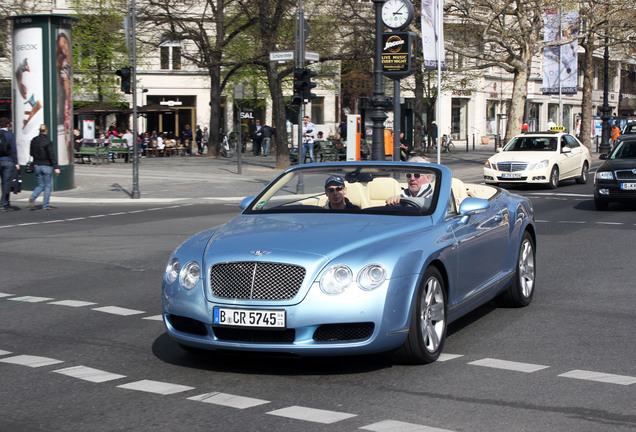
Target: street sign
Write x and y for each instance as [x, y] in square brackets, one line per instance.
[281, 56]
[312, 56]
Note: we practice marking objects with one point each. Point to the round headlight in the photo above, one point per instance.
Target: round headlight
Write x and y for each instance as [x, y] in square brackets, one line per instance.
[190, 275]
[371, 277]
[172, 271]
[336, 279]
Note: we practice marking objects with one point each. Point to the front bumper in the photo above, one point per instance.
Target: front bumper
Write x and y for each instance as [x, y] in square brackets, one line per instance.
[541, 175]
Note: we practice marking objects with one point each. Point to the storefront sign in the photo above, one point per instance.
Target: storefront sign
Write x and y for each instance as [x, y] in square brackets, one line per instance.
[397, 59]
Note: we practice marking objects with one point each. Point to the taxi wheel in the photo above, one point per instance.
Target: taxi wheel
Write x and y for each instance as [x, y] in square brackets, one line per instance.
[584, 171]
[554, 178]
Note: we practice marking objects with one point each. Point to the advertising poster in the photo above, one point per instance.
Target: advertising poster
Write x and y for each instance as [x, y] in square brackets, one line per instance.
[560, 63]
[430, 35]
[28, 88]
[64, 75]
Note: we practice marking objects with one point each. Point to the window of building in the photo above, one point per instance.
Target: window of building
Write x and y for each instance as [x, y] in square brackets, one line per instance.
[170, 55]
[318, 110]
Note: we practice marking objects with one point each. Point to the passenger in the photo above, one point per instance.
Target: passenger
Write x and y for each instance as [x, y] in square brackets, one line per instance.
[336, 190]
[419, 191]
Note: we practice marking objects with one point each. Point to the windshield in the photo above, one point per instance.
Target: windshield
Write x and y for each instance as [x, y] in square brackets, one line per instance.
[398, 189]
[629, 129]
[530, 143]
[624, 150]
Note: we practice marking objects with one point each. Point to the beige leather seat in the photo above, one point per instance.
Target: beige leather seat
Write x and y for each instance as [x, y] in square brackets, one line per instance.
[382, 188]
[459, 191]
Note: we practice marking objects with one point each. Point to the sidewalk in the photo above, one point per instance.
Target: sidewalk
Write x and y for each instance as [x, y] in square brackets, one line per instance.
[202, 178]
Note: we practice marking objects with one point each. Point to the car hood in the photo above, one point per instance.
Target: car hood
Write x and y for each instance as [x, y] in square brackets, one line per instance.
[618, 164]
[521, 156]
[309, 240]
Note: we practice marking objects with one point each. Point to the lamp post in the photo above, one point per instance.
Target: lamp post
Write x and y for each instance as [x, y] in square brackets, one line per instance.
[605, 109]
[378, 115]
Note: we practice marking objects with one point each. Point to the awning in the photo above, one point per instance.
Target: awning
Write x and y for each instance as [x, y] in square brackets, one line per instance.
[100, 109]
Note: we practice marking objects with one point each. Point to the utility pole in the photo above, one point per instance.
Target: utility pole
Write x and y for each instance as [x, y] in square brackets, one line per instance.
[378, 115]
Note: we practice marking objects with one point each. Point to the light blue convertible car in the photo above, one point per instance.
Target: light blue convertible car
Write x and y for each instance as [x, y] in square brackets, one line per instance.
[351, 258]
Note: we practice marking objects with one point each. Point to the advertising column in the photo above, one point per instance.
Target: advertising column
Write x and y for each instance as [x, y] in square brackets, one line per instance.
[42, 90]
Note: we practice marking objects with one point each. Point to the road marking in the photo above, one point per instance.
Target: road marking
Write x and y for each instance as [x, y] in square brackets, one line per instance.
[154, 318]
[6, 295]
[228, 400]
[398, 426]
[89, 374]
[115, 310]
[312, 414]
[508, 365]
[31, 299]
[600, 377]
[3, 352]
[30, 361]
[72, 303]
[446, 357]
[156, 387]
[610, 223]
[572, 222]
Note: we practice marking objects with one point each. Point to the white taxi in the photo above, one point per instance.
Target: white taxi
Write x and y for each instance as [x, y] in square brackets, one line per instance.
[539, 158]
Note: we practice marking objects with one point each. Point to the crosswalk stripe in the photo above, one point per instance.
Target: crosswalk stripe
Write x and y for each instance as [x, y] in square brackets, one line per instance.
[115, 310]
[600, 377]
[89, 374]
[508, 365]
[30, 361]
[72, 303]
[228, 400]
[30, 299]
[312, 414]
[398, 426]
[156, 387]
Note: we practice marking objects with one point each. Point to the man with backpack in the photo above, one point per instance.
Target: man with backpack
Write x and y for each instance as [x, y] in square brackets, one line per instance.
[8, 162]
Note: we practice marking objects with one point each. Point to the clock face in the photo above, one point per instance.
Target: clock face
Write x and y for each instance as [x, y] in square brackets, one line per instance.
[397, 13]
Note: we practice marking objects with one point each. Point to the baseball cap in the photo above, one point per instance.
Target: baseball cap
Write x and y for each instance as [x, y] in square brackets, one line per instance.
[334, 179]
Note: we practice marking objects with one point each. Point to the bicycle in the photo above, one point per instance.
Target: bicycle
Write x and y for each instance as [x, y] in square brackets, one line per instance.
[227, 148]
[447, 144]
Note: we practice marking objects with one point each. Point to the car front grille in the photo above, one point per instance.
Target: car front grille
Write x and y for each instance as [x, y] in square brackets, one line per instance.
[511, 166]
[625, 175]
[255, 280]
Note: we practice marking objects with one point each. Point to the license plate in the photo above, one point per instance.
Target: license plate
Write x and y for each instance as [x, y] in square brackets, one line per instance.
[628, 186]
[511, 175]
[249, 317]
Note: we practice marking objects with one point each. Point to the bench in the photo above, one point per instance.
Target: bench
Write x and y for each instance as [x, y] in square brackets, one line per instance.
[92, 148]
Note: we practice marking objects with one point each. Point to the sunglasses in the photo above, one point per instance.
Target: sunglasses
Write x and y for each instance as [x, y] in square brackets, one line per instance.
[333, 189]
[408, 176]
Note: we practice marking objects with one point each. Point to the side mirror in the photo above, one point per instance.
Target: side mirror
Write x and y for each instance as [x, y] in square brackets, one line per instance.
[604, 156]
[472, 206]
[566, 150]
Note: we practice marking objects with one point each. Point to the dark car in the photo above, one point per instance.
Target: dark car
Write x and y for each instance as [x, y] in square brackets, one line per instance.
[615, 180]
[629, 128]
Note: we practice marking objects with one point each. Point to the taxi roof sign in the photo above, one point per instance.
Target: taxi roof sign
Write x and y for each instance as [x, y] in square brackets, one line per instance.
[557, 129]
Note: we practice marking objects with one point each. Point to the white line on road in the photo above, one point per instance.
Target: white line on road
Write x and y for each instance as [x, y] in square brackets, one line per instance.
[30, 361]
[157, 387]
[600, 377]
[398, 426]
[228, 400]
[31, 299]
[89, 374]
[508, 365]
[312, 414]
[115, 310]
[72, 303]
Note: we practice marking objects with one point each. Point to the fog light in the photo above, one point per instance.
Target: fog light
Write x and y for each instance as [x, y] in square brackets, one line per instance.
[603, 191]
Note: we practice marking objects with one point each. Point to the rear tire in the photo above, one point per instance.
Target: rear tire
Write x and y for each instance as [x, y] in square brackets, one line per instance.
[584, 171]
[427, 330]
[521, 289]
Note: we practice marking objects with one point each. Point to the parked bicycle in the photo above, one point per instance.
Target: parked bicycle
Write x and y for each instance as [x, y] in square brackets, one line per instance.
[447, 144]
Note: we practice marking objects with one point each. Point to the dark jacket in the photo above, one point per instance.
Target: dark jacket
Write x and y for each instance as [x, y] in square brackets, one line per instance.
[42, 151]
[13, 157]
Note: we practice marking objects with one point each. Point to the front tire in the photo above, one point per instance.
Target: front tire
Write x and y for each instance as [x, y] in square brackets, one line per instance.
[554, 178]
[427, 331]
[584, 171]
[521, 290]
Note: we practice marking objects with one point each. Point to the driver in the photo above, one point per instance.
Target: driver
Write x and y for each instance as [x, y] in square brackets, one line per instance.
[418, 192]
[336, 190]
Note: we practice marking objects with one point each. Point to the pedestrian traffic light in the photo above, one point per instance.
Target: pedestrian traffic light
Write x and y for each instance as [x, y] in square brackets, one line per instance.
[125, 74]
[303, 86]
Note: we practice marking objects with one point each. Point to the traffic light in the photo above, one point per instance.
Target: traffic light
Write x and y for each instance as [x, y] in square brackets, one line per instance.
[303, 86]
[125, 74]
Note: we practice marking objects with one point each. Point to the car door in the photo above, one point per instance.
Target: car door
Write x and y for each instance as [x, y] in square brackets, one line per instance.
[567, 159]
[481, 247]
[575, 157]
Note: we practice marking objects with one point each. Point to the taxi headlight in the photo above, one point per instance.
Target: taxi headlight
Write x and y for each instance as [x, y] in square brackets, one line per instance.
[540, 165]
[172, 271]
[336, 279]
[190, 275]
[489, 165]
[371, 277]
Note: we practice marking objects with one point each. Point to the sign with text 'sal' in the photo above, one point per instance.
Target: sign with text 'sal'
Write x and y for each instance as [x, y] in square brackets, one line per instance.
[398, 60]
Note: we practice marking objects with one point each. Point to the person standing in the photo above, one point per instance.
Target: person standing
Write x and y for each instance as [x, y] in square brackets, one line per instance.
[308, 139]
[8, 162]
[198, 137]
[130, 141]
[267, 132]
[187, 139]
[433, 134]
[204, 139]
[45, 164]
[257, 137]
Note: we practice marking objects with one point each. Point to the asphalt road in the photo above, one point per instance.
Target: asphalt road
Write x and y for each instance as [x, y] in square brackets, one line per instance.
[82, 348]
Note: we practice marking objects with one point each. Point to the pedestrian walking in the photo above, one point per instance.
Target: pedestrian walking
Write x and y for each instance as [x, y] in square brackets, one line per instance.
[267, 132]
[204, 139]
[8, 162]
[45, 164]
[308, 139]
[198, 137]
[187, 139]
[433, 134]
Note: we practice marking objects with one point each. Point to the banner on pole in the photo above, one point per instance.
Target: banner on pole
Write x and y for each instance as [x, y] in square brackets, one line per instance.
[560, 63]
[432, 32]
